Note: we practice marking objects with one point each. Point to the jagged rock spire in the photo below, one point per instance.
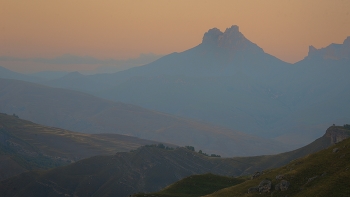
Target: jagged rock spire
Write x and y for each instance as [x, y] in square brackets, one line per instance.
[232, 39]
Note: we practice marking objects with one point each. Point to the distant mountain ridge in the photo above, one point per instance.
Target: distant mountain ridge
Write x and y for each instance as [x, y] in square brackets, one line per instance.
[333, 51]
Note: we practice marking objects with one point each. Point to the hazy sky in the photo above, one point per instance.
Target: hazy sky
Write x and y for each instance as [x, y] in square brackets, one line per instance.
[126, 28]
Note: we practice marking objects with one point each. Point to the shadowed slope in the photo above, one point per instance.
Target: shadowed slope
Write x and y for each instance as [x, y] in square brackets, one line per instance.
[27, 146]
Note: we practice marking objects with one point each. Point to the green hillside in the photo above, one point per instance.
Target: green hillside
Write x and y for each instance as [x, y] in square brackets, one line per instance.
[195, 186]
[325, 173]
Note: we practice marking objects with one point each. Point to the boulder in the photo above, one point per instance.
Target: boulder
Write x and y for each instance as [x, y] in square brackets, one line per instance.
[264, 186]
[256, 175]
[284, 185]
[279, 177]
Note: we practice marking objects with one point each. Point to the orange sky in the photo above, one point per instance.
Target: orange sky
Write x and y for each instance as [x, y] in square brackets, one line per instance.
[126, 28]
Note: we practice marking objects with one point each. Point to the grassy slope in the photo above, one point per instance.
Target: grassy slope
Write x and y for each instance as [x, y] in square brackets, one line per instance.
[147, 169]
[195, 185]
[332, 171]
[28, 146]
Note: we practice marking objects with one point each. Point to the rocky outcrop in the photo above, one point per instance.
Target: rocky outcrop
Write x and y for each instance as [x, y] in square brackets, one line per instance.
[255, 175]
[265, 186]
[231, 40]
[279, 177]
[282, 186]
[337, 134]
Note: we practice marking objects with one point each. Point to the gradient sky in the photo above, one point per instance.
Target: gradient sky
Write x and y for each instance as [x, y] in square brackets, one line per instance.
[122, 29]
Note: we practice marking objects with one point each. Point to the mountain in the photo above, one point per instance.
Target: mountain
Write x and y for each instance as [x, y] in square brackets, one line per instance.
[151, 168]
[332, 52]
[229, 81]
[50, 75]
[28, 146]
[219, 54]
[81, 112]
[317, 91]
[8, 74]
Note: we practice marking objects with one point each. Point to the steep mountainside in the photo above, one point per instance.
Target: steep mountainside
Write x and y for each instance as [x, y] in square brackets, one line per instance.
[146, 169]
[85, 113]
[27, 146]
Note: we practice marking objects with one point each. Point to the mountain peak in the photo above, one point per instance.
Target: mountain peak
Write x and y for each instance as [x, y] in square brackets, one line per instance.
[232, 39]
[312, 50]
[212, 36]
[232, 29]
[347, 41]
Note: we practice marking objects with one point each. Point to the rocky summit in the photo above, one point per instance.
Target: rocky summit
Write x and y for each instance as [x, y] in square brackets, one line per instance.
[232, 40]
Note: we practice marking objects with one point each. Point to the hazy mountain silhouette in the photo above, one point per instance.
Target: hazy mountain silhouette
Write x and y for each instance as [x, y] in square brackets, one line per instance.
[333, 51]
[8, 74]
[81, 112]
[230, 81]
[219, 54]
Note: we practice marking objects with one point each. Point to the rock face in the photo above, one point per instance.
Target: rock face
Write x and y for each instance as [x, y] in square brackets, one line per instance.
[279, 177]
[282, 186]
[337, 134]
[264, 186]
[255, 175]
[231, 40]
